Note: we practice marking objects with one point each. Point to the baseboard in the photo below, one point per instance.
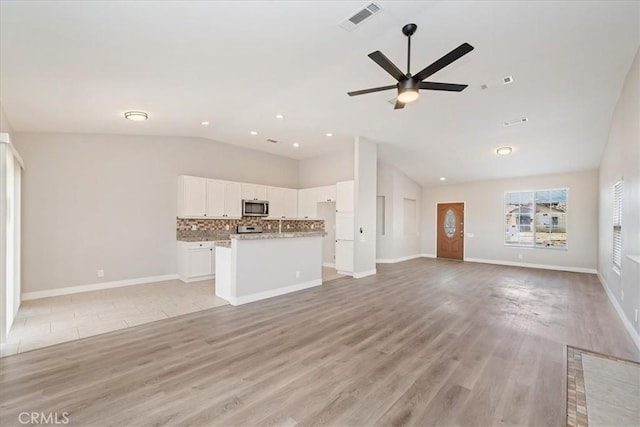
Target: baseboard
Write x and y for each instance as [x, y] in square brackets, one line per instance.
[345, 273]
[394, 260]
[540, 266]
[428, 255]
[626, 322]
[26, 296]
[197, 279]
[329, 264]
[362, 274]
[274, 292]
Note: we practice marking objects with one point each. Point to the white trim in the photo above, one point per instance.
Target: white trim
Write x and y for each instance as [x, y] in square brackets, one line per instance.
[6, 139]
[274, 292]
[626, 322]
[394, 260]
[197, 279]
[428, 255]
[634, 258]
[541, 266]
[329, 264]
[362, 274]
[96, 286]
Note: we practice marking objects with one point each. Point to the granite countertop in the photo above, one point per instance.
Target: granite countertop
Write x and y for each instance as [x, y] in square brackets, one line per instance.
[283, 235]
[202, 236]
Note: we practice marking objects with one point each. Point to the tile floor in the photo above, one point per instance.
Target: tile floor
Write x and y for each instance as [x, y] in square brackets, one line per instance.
[48, 321]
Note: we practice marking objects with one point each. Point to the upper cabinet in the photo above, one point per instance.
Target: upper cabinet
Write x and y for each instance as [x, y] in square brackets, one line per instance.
[192, 195]
[326, 193]
[202, 197]
[290, 204]
[345, 196]
[254, 192]
[308, 203]
[283, 203]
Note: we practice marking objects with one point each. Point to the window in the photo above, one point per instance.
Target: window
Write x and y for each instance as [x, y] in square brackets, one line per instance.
[617, 226]
[536, 218]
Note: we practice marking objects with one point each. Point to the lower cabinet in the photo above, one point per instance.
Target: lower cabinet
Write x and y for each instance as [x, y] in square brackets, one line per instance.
[196, 261]
[344, 256]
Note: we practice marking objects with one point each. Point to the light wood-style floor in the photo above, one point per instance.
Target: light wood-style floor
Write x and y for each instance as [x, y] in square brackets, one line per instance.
[424, 342]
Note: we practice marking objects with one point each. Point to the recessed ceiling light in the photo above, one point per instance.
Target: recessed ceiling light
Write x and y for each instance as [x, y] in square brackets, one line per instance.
[205, 123]
[442, 178]
[296, 145]
[253, 132]
[503, 151]
[279, 116]
[329, 134]
[136, 116]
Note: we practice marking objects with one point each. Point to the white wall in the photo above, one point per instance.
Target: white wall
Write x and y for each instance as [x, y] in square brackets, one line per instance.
[109, 202]
[5, 126]
[327, 169]
[484, 218]
[395, 186]
[621, 160]
[366, 161]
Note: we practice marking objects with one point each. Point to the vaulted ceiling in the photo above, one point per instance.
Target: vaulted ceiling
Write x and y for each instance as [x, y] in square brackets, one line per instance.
[70, 66]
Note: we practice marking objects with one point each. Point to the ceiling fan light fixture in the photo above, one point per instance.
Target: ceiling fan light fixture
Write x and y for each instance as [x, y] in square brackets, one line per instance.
[408, 95]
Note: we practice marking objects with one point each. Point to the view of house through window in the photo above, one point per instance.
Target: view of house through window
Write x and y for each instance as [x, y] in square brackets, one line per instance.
[536, 218]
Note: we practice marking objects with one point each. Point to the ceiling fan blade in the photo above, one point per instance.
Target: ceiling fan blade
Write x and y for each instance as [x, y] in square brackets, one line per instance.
[375, 89]
[450, 87]
[388, 66]
[454, 55]
[399, 105]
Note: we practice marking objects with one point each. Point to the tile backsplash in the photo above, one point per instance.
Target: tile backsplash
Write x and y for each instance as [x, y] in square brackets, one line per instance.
[203, 225]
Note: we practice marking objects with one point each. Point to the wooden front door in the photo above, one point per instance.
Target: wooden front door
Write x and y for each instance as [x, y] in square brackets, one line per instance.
[450, 230]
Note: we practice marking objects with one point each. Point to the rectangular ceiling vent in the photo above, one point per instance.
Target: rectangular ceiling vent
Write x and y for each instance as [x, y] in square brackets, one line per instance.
[517, 122]
[360, 16]
[507, 79]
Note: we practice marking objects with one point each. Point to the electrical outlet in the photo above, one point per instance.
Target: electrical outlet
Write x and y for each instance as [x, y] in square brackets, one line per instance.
[269, 226]
[100, 273]
[313, 226]
[471, 235]
[297, 274]
[520, 256]
[287, 226]
[194, 226]
[226, 227]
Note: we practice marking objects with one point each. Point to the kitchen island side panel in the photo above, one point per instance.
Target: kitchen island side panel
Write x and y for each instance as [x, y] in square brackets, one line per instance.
[265, 265]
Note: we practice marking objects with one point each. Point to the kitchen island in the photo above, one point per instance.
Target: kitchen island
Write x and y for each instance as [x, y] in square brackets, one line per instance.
[252, 267]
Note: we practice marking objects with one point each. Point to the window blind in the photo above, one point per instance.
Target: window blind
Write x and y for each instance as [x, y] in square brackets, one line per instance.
[617, 225]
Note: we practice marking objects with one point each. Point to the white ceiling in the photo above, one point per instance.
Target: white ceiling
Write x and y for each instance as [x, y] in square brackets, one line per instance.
[77, 66]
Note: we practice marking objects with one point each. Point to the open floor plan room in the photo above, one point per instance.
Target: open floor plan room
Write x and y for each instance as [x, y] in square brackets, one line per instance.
[424, 342]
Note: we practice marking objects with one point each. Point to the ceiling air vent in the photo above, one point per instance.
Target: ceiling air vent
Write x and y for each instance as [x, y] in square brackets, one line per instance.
[360, 16]
[273, 141]
[507, 79]
[517, 122]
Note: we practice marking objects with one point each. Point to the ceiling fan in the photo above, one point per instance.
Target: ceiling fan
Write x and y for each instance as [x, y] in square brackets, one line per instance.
[408, 86]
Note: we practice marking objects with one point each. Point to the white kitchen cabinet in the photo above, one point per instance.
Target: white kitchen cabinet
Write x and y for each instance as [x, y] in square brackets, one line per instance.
[196, 261]
[275, 197]
[232, 200]
[326, 193]
[191, 196]
[308, 203]
[215, 198]
[290, 203]
[254, 192]
[345, 196]
[345, 224]
[344, 256]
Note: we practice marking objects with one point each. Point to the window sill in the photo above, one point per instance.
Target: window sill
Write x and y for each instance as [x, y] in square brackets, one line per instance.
[515, 245]
[634, 258]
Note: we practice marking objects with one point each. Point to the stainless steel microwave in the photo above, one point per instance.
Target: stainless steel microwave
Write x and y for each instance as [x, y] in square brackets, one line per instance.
[255, 208]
